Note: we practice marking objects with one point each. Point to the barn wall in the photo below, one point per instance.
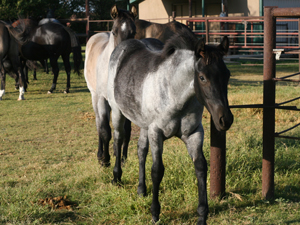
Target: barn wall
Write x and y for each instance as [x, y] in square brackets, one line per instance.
[153, 9]
[285, 26]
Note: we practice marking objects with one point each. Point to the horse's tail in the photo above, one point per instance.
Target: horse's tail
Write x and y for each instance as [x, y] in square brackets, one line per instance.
[76, 49]
[19, 33]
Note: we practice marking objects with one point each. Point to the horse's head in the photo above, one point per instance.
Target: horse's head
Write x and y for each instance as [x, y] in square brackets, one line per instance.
[124, 26]
[211, 80]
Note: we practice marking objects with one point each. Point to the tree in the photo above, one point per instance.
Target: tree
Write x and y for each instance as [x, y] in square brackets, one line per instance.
[13, 9]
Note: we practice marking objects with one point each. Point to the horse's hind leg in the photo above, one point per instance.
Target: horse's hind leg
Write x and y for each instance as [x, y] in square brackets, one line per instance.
[127, 128]
[67, 65]
[55, 70]
[102, 112]
[118, 121]
[143, 148]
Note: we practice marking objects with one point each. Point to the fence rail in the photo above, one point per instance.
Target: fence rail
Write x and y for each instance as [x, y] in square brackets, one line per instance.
[245, 33]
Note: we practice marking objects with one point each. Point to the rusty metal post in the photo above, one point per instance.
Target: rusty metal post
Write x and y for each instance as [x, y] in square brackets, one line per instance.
[173, 15]
[190, 15]
[299, 44]
[207, 30]
[217, 161]
[268, 100]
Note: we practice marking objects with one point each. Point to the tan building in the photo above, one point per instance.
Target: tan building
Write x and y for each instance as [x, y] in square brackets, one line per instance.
[161, 10]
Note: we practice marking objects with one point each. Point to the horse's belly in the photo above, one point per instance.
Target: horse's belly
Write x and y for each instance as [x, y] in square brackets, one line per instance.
[96, 61]
[33, 51]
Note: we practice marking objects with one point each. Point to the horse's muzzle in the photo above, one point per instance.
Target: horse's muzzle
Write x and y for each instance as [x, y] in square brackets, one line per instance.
[225, 122]
[222, 118]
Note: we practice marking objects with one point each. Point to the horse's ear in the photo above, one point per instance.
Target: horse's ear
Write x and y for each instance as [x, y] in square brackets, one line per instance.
[224, 46]
[114, 12]
[133, 11]
[200, 48]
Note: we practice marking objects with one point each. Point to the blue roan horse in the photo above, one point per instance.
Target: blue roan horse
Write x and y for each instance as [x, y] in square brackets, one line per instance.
[164, 93]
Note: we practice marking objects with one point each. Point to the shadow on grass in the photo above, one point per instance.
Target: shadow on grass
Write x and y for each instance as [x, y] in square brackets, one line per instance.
[56, 217]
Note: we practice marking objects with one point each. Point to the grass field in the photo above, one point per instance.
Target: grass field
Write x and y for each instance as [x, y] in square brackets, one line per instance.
[50, 173]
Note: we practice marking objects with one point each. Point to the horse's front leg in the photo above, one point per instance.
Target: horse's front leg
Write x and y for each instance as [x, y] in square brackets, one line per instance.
[194, 144]
[143, 148]
[157, 171]
[18, 69]
[44, 64]
[3, 78]
[118, 121]
[67, 65]
[55, 70]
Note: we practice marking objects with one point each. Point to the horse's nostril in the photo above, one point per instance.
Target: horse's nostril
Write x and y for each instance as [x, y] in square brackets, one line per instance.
[222, 122]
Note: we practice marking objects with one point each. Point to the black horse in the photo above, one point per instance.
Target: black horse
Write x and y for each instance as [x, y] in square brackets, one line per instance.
[10, 61]
[50, 40]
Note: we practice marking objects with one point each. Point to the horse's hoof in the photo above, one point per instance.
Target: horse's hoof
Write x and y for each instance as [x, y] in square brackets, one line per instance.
[49, 92]
[21, 99]
[123, 162]
[154, 220]
[0, 98]
[142, 191]
[66, 92]
[117, 183]
[104, 164]
[201, 222]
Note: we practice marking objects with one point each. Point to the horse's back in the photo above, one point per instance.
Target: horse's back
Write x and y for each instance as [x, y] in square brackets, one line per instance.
[141, 26]
[46, 41]
[139, 85]
[162, 32]
[48, 20]
[129, 66]
[94, 48]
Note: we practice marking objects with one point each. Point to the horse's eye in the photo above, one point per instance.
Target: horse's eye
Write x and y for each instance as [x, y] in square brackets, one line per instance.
[113, 33]
[202, 78]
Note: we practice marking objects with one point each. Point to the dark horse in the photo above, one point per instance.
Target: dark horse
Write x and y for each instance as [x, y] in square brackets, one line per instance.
[9, 56]
[97, 54]
[29, 64]
[164, 93]
[50, 40]
[162, 32]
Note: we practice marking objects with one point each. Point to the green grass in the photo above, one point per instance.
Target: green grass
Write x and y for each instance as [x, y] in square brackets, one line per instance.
[48, 146]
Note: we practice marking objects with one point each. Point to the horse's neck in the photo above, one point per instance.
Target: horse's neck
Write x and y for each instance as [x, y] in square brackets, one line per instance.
[111, 44]
[181, 74]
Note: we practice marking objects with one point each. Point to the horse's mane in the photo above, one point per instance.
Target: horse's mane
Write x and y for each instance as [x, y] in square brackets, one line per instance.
[186, 39]
[181, 40]
[212, 54]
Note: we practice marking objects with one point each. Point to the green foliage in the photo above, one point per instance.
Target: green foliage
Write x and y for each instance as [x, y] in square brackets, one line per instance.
[99, 9]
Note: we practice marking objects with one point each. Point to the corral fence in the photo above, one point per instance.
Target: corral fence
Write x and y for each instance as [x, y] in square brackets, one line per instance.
[245, 33]
[218, 139]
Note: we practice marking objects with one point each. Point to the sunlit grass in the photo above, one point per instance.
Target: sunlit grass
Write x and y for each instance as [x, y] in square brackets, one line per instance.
[48, 146]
